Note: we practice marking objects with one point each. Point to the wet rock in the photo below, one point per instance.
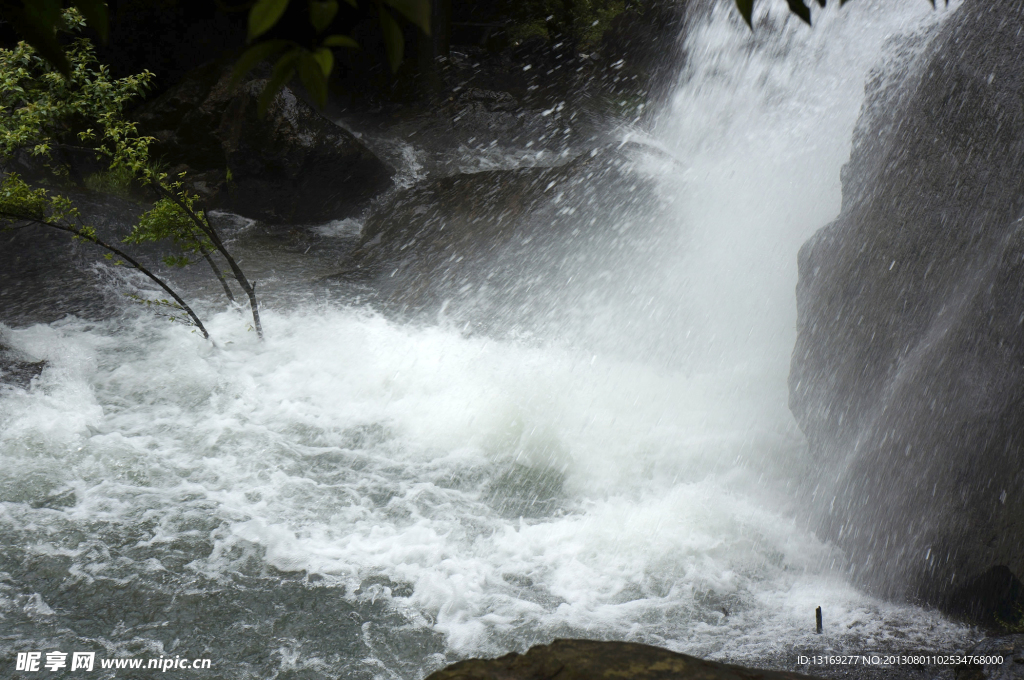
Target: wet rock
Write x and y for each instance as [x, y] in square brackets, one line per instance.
[470, 128]
[908, 371]
[382, 584]
[504, 237]
[293, 166]
[595, 660]
[1009, 648]
[16, 369]
[57, 500]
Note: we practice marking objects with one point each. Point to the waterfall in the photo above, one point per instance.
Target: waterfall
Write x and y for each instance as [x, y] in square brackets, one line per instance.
[368, 496]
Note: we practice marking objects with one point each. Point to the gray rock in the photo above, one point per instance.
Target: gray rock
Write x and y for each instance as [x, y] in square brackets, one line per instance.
[908, 371]
[511, 239]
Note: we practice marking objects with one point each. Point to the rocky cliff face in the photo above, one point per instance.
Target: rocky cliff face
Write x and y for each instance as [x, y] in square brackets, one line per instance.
[908, 372]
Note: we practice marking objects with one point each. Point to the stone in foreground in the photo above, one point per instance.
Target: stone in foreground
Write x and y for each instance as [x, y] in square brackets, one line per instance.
[1008, 650]
[597, 660]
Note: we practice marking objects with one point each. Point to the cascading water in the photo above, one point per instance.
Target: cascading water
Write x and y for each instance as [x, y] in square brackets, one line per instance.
[366, 497]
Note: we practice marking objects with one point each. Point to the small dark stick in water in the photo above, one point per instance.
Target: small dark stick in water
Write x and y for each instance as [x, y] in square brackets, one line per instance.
[817, 620]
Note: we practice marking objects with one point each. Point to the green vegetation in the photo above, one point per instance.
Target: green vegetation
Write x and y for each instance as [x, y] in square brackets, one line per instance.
[37, 22]
[314, 62]
[1015, 624]
[581, 22]
[52, 118]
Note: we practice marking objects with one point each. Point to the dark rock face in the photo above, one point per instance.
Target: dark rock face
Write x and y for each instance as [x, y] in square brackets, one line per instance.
[293, 166]
[524, 239]
[643, 50]
[908, 372]
[594, 660]
[44, 276]
[1010, 648]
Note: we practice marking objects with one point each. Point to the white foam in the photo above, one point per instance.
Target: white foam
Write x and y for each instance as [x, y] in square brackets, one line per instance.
[351, 446]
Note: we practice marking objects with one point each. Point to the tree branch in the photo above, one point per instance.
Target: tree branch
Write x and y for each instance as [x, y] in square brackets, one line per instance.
[120, 253]
[207, 228]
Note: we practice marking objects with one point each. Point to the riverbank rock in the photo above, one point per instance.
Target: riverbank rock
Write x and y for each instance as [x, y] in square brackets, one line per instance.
[293, 166]
[908, 371]
[595, 660]
[519, 239]
[1009, 648]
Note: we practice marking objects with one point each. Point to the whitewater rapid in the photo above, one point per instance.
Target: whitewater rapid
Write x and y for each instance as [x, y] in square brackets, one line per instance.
[448, 493]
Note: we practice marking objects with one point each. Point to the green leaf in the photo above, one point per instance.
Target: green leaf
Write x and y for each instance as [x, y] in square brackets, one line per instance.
[394, 41]
[746, 8]
[798, 8]
[95, 12]
[313, 78]
[253, 56]
[283, 71]
[263, 15]
[416, 11]
[326, 60]
[321, 13]
[341, 41]
[355, 3]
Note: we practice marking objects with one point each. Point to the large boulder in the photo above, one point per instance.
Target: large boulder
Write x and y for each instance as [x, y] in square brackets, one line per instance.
[526, 240]
[908, 371]
[597, 660]
[294, 165]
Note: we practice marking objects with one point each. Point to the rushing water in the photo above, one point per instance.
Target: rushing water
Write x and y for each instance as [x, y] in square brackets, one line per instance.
[365, 497]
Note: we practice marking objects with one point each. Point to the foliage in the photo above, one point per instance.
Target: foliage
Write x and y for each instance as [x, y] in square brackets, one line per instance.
[36, 21]
[167, 221]
[40, 107]
[797, 7]
[120, 182]
[1015, 624]
[313, 61]
[17, 197]
[582, 22]
[49, 115]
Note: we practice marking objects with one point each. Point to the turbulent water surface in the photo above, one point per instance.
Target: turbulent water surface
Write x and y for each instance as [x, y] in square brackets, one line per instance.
[362, 496]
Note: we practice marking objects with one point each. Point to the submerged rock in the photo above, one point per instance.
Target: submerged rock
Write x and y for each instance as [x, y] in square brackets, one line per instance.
[16, 369]
[908, 371]
[293, 166]
[597, 660]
